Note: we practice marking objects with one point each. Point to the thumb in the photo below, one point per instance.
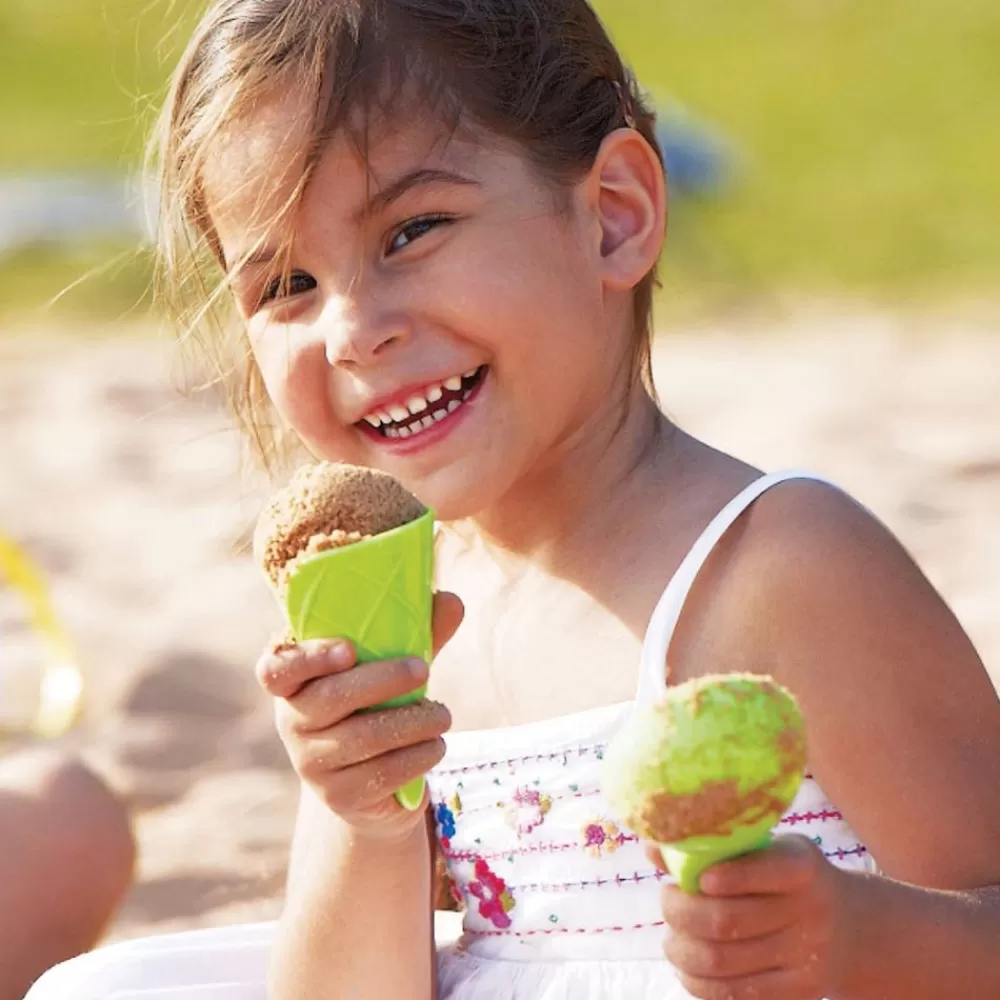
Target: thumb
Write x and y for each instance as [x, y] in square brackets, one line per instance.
[448, 614]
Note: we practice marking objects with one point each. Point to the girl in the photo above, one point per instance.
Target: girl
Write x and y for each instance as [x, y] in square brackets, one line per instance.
[439, 222]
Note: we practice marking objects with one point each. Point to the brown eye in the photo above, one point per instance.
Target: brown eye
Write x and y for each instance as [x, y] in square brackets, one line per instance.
[285, 286]
[413, 230]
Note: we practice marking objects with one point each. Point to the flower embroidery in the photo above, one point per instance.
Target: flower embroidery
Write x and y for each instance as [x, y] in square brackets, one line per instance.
[601, 837]
[527, 810]
[456, 804]
[495, 900]
[445, 819]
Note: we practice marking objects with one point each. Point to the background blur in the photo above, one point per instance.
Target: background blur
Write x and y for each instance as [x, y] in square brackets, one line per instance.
[860, 145]
[829, 289]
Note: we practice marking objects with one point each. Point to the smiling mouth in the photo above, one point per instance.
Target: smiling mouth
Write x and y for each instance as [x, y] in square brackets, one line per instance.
[429, 406]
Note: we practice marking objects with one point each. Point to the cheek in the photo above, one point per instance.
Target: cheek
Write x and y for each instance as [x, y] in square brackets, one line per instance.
[295, 377]
[524, 294]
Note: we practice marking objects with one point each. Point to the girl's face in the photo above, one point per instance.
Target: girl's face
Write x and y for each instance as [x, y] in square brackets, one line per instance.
[442, 319]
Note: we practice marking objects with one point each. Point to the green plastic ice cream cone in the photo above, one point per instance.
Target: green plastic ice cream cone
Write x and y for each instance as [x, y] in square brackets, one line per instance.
[707, 772]
[687, 860]
[378, 593]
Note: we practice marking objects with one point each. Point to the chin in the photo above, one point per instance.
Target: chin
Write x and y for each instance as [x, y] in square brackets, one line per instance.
[455, 494]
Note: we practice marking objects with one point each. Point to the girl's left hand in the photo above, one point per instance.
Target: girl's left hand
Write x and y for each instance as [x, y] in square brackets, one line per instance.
[770, 924]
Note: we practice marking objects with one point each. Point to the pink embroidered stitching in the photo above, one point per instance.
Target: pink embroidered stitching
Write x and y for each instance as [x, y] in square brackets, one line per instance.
[577, 794]
[622, 839]
[492, 765]
[527, 810]
[618, 880]
[635, 878]
[549, 931]
[842, 853]
[812, 817]
[601, 836]
[495, 898]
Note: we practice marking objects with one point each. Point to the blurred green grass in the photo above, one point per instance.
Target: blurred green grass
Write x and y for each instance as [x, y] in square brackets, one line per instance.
[870, 134]
[868, 138]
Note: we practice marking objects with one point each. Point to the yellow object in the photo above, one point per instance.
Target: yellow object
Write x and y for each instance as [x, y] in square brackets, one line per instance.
[60, 688]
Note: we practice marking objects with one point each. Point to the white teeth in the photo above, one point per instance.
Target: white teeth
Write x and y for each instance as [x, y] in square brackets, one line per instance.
[418, 404]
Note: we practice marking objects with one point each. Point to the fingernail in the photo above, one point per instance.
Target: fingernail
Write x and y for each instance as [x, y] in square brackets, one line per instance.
[417, 668]
[340, 654]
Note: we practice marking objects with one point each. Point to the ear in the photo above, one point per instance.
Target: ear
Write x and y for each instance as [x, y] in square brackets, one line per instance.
[627, 192]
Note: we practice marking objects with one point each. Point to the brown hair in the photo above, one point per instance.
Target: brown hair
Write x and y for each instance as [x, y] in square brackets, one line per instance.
[541, 73]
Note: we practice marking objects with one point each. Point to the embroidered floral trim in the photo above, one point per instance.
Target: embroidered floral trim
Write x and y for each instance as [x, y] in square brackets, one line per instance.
[601, 837]
[445, 820]
[495, 899]
[527, 810]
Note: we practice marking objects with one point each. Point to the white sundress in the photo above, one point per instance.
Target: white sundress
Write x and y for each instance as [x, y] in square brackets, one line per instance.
[560, 900]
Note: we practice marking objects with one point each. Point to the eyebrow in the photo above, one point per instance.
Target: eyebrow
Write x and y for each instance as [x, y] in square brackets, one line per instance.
[421, 177]
[378, 202]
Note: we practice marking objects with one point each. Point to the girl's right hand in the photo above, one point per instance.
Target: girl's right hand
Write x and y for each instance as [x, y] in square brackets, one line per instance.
[355, 760]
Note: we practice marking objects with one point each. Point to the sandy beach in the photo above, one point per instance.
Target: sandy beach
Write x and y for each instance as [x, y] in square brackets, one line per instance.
[138, 502]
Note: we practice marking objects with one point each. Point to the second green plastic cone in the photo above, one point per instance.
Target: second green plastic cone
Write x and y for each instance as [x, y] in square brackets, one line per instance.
[378, 593]
[707, 772]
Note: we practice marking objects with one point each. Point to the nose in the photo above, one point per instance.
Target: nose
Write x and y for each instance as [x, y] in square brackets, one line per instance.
[357, 336]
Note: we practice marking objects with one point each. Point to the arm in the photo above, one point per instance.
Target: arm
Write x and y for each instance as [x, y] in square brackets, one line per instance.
[357, 916]
[358, 919]
[920, 944]
[904, 734]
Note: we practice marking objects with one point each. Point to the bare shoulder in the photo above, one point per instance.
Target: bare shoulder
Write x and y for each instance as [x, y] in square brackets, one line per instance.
[903, 721]
[827, 567]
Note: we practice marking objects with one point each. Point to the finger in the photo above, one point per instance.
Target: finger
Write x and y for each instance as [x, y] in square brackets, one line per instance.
[284, 670]
[733, 959]
[369, 735]
[733, 919]
[327, 700]
[655, 857]
[448, 614]
[788, 865]
[779, 984]
[365, 785]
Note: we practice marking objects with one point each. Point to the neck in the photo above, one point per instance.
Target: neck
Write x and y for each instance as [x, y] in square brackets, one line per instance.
[604, 467]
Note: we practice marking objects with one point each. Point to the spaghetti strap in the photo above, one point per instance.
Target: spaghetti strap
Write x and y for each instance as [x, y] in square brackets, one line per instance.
[663, 621]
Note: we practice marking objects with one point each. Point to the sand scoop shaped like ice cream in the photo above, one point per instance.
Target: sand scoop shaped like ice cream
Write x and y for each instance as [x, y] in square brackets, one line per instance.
[708, 771]
[350, 553]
